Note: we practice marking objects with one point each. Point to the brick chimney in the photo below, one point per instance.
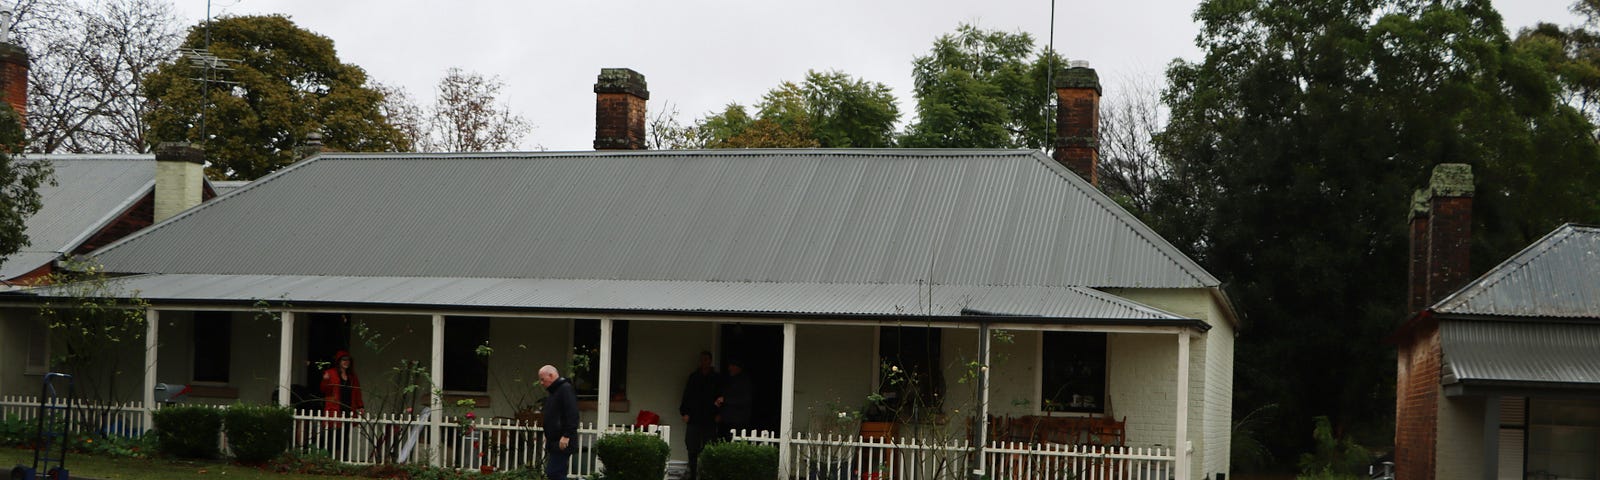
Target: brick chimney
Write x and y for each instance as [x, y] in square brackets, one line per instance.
[619, 115]
[13, 71]
[1078, 120]
[180, 178]
[1441, 235]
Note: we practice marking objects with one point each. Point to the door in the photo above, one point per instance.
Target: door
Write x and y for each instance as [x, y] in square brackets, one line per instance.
[760, 348]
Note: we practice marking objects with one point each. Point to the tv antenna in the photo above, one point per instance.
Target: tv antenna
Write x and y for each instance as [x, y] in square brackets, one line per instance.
[209, 64]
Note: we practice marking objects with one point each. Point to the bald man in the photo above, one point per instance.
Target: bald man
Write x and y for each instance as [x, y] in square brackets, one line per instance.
[560, 422]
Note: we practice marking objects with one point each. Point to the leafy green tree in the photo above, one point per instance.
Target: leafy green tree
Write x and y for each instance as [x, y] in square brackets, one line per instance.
[983, 89]
[1294, 147]
[19, 185]
[1572, 54]
[830, 110]
[287, 83]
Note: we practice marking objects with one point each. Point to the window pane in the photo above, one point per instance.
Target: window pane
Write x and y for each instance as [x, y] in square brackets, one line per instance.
[913, 376]
[213, 333]
[1074, 376]
[585, 373]
[464, 369]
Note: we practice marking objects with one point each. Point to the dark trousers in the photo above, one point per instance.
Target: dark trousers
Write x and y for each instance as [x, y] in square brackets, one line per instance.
[555, 464]
[696, 438]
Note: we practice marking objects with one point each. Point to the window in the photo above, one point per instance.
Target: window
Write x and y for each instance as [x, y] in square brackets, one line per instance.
[910, 372]
[464, 369]
[213, 335]
[1563, 437]
[1073, 372]
[586, 357]
[38, 362]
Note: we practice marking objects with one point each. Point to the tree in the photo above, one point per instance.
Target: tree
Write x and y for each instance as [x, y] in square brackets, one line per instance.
[1572, 55]
[983, 89]
[1130, 166]
[666, 132]
[87, 68]
[287, 82]
[1295, 146]
[19, 186]
[829, 110]
[466, 116]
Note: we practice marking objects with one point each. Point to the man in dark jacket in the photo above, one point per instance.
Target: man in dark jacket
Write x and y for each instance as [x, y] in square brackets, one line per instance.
[560, 422]
[699, 411]
[736, 401]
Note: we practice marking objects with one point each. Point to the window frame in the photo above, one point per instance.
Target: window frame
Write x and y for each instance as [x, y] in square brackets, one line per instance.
[1042, 407]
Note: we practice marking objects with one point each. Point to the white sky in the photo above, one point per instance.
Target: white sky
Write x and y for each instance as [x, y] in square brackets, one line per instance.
[698, 55]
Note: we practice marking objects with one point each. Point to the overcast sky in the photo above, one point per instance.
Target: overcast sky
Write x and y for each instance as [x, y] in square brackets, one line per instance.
[698, 55]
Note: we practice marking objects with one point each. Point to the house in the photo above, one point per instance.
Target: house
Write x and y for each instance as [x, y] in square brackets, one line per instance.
[96, 199]
[1499, 376]
[814, 267]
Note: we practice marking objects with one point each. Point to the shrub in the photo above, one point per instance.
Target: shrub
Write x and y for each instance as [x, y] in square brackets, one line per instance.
[738, 461]
[188, 431]
[633, 456]
[258, 433]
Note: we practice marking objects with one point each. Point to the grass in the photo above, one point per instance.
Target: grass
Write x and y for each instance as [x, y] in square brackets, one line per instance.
[92, 466]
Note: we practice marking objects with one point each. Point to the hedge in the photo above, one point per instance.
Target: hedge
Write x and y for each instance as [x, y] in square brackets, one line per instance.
[738, 461]
[258, 433]
[633, 456]
[188, 431]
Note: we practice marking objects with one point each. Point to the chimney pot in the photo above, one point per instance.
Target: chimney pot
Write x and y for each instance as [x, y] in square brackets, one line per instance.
[14, 78]
[180, 178]
[1077, 143]
[1078, 64]
[1441, 235]
[619, 117]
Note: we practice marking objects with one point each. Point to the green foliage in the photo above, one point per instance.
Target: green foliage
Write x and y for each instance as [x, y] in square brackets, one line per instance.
[1333, 459]
[1295, 146]
[983, 89]
[188, 431]
[738, 461]
[116, 446]
[829, 110]
[16, 431]
[632, 456]
[289, 83]
[94, 325]
[258, 433]
[313, 462]
[19, 185]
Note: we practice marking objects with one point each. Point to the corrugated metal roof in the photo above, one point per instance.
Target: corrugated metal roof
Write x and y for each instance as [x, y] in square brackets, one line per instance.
[655, 296]
[961, 218]
[1557, 276]
[90, 191]
[226, 186]
[1522, 351]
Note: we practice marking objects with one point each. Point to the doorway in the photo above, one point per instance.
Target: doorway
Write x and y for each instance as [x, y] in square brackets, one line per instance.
[326, 334]
[760, 348]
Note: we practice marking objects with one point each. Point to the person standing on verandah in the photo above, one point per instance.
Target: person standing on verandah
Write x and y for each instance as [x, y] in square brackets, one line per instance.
[560, 422]
[699, 410]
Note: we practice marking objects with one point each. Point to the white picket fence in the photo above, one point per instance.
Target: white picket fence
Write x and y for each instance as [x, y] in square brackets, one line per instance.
[500, 443]
[848, 457]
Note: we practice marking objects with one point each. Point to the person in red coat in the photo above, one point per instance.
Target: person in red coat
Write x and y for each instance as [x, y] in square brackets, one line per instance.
[341, 387]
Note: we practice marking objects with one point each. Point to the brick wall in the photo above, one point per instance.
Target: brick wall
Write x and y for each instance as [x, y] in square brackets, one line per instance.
[1417, 403]
[1450, 235]
[1078, 131]
[14, 78]
[619, 122]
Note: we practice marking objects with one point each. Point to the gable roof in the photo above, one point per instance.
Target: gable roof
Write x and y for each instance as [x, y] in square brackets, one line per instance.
[90, 192]
[946, 217]
[1557, 276]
